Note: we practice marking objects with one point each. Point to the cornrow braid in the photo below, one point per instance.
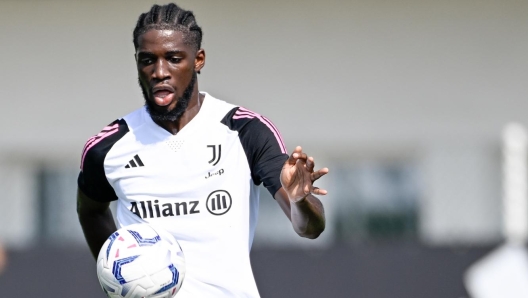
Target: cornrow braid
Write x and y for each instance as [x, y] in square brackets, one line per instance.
[170, 17]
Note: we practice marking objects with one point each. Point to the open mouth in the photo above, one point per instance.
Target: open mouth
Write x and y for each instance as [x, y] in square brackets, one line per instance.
[163, 96]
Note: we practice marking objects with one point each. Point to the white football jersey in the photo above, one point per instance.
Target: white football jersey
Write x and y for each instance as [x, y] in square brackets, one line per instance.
[200, 185]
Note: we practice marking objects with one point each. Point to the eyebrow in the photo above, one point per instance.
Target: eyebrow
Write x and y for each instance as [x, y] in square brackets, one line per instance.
[175, 52]
[146, 53]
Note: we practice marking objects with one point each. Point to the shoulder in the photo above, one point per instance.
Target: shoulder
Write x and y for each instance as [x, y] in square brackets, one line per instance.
[254, 126]
[238, 117]
[251, 126]
[97, 146]
[92, 179]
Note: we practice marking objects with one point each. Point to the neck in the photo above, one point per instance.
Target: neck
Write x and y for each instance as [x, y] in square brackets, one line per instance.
[192, 110]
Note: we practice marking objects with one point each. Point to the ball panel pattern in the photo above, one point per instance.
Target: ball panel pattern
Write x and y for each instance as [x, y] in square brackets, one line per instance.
[141, 261]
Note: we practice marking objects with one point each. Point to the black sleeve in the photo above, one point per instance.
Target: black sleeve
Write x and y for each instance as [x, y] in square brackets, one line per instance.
[92, 178]
[263, 145]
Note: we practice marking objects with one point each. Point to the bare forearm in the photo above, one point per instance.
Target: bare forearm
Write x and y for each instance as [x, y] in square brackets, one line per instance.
[97, 227]
[307, 217]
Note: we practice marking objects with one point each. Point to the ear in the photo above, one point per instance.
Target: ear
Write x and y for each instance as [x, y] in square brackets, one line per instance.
[199, 60]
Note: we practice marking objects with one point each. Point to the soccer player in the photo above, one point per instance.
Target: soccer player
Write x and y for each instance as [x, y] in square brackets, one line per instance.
[191, 163]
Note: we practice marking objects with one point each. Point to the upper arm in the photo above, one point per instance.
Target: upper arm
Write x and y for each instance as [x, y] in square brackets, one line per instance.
[86, 205]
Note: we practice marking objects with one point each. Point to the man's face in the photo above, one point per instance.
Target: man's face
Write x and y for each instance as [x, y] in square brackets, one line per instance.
[167, 72]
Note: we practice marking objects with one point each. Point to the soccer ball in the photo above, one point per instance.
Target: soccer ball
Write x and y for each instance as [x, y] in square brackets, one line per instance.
[141, 261]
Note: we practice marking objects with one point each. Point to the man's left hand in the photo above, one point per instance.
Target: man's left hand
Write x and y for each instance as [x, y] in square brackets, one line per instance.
[298, 175]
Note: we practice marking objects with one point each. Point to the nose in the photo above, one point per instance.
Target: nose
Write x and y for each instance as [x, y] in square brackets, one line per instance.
[161, 71]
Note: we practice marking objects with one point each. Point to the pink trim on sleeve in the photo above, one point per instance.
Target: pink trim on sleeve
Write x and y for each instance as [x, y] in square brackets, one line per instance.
[245, 113]
[106, 132]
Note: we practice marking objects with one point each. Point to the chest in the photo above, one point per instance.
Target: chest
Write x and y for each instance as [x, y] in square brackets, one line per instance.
[177, 167]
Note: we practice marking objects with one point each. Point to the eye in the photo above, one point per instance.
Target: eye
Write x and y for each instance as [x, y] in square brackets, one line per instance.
[175, 59]
[146, 61]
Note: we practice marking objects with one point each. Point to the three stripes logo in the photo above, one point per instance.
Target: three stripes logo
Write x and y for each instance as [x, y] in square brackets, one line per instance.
[135, 162]
[218, 202]
[106, 132]
[242, 113]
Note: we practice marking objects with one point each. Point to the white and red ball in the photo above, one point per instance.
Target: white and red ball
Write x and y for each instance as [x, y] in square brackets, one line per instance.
[141, 261]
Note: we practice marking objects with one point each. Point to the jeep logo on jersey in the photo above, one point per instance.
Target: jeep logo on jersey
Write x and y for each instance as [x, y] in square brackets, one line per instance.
[217, 173]
[218, 202]
[217, 153]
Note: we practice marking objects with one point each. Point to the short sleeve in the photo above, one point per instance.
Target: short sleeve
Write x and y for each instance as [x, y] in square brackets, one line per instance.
[92, 179]
[263, 145]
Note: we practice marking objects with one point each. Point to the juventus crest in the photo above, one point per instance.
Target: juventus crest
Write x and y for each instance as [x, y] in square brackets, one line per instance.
[217, 153]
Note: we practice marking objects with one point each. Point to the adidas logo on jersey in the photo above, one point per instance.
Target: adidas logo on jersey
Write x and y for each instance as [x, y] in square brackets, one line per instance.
[135, 162]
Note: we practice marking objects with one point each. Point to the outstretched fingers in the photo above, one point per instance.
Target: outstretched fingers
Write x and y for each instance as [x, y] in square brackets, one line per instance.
[298, 174]
[292, 160]
[310, 164]
[314, 176]
[320, 173]
[297, 155]
[319, 191]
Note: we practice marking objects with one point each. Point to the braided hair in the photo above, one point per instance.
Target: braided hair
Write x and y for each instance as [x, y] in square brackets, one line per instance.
[170, 17]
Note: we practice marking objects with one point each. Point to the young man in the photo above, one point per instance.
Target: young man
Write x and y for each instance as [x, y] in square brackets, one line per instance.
[192, 163]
